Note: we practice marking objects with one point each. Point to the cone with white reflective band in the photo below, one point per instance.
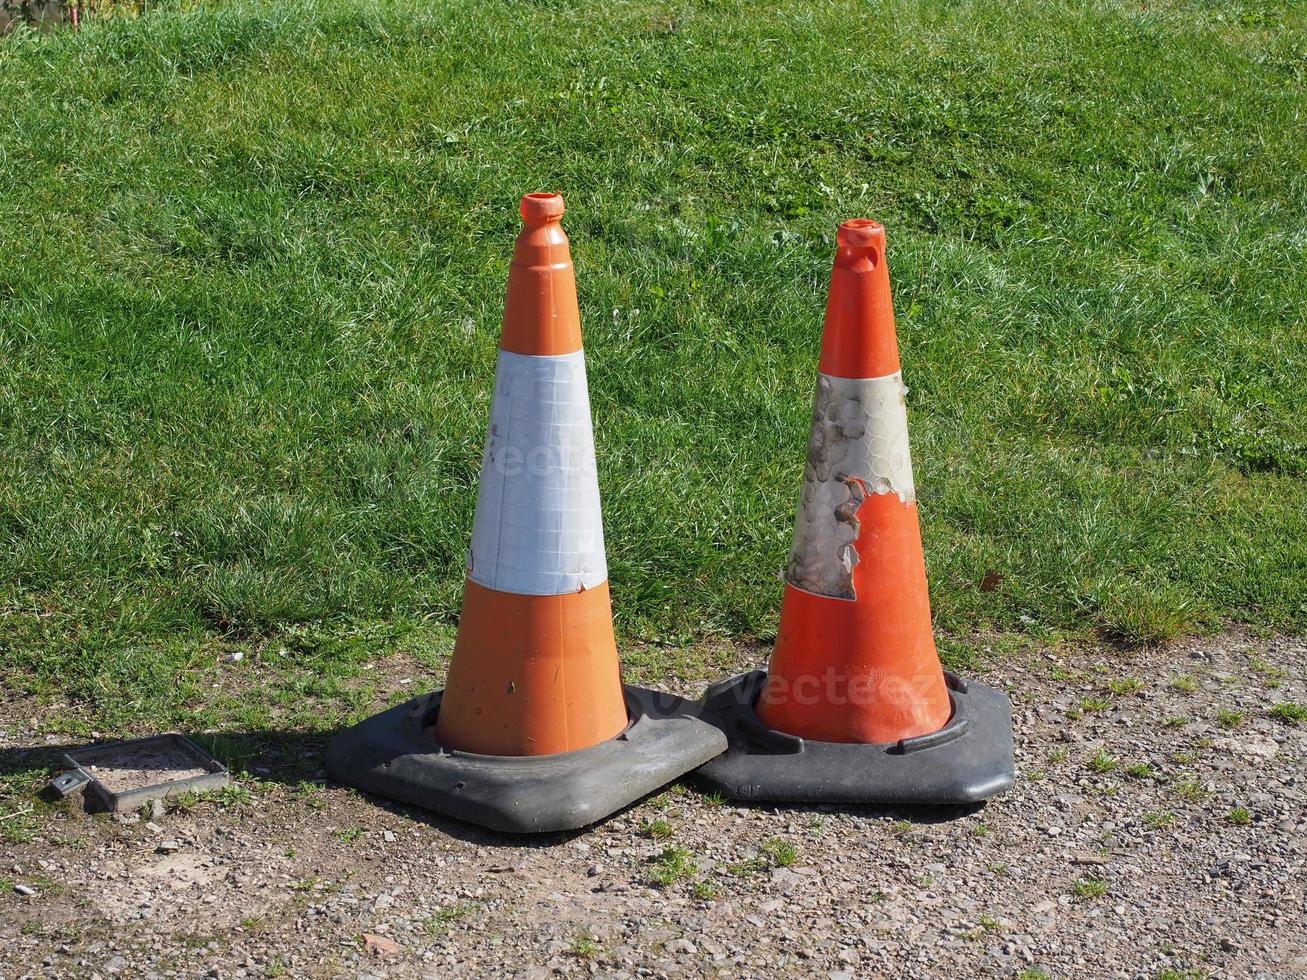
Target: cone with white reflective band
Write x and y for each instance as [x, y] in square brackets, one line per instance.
[854, 706]
[535, 666]
[534, 730]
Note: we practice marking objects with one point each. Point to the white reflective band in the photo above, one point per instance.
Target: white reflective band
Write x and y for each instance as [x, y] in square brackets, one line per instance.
[538, 529]
[858, 446]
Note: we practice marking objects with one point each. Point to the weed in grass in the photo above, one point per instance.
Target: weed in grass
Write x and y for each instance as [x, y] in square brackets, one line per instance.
[446, 914]
[233, 796]
[1190, 790]
[1125, 685]
[671, 866]
[1102, 762]
[713, 799]
[583, 947]
[747, 867]
[1183, 683]
[1159, 821]
[705, 890]
[658, 829]
[1289, 713]
[1093, 705]
[782, 852]
[1089, 888]
[1058, 755]
[1240, 816]
[348, 835]
[900, 828]
[981, 829]
[1140, 770]
[1267, 671]
[1175, 721]
[1229, 719]
[1033, 973]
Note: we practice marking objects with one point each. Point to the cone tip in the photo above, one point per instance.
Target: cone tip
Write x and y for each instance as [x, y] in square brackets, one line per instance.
[538, 209]
[861, 233]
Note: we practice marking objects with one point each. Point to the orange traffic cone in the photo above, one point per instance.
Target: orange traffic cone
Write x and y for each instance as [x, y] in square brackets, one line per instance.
[854, 706]
[534, 730]
[535, 665]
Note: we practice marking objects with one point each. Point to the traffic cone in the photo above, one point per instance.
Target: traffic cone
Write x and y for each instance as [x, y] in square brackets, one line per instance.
[854, 706]
[534, 730]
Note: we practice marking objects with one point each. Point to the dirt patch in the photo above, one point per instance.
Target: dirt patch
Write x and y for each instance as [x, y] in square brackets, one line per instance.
[1159, 822]
[132, 766]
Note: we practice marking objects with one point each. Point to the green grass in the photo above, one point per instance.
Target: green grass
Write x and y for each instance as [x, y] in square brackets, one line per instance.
[253, 258]
[782, 852]
[672, 865]
[1089, 888]
[1290, 713]
[1102, 762]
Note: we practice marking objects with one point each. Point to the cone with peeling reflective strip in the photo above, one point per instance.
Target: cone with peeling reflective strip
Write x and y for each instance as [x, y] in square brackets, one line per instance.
[854, 706]
[534, 730]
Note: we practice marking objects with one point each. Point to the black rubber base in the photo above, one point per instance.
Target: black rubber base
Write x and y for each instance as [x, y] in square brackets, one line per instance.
[967, 760]
[392, 755]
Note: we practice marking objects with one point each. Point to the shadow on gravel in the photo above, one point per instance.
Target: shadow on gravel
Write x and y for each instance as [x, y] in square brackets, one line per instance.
[912, 814]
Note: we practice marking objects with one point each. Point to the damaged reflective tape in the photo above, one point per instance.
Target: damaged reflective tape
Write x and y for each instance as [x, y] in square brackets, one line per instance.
[538, 529]
[858, 446]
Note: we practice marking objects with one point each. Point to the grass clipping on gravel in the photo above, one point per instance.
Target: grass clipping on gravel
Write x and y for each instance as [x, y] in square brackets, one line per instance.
[252, 271]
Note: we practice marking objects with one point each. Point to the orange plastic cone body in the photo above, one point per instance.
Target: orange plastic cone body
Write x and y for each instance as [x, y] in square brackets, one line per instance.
[535, 668]
[855, 660]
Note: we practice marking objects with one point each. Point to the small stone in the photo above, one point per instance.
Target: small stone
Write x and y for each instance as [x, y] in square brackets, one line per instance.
[169, 847]
[380, 945]
[388, 836]
[27, 891]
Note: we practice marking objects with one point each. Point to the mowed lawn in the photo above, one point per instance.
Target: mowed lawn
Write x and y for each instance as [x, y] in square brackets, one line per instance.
[252, 260]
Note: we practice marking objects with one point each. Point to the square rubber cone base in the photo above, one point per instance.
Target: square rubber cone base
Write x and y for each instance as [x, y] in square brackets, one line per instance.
[394, 755]
[966, 761]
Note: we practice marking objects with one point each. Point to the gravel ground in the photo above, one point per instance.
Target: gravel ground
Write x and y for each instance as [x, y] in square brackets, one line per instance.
[1157, 829]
